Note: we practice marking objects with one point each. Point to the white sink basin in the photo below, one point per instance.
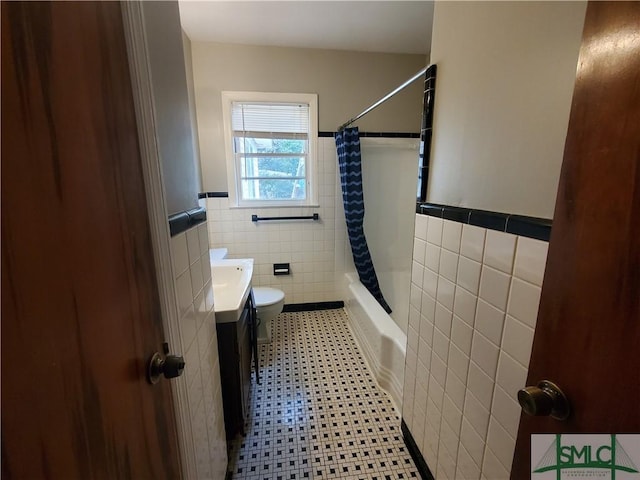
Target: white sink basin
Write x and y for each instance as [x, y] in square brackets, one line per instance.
[231, 286]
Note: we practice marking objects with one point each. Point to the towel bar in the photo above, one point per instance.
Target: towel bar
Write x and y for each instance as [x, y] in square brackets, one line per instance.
[256, 218]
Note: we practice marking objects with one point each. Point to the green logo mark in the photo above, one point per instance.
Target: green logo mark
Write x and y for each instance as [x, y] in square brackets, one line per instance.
[607, 456]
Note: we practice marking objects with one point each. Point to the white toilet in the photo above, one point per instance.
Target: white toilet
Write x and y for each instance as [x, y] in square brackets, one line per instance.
[269, 303]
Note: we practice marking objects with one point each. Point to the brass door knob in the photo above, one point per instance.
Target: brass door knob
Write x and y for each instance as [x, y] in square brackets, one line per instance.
[545, 399]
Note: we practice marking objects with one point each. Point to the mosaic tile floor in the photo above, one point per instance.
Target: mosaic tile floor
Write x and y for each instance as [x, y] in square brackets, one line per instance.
[318, 412]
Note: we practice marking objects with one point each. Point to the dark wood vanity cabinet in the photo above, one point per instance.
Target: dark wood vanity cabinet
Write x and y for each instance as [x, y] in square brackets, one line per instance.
[235, 350]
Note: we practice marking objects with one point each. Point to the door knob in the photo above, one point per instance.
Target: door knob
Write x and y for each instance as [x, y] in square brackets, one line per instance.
[546, 399]
[170, 366]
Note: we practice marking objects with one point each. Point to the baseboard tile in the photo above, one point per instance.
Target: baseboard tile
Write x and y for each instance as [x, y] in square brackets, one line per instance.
[311, 306]
[418, 459]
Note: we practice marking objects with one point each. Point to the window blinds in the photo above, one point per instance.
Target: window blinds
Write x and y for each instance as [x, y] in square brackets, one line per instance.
[269, 118]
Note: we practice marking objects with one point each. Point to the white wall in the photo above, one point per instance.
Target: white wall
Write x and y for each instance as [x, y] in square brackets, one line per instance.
[505, 81]
[308, 246]
[194, 292]
[346, 84]
[506, 72]
[474, 303]
[180, 166]
[202, 441]
[319, 252]
[188, 64]
[389, 178]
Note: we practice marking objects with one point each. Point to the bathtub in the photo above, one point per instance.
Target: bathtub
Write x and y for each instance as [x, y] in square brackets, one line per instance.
[380, 338]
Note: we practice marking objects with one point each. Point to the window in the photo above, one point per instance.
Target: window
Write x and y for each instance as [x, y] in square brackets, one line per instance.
[270, 141]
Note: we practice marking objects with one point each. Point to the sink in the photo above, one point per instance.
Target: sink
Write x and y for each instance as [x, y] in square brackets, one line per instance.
[231, 286]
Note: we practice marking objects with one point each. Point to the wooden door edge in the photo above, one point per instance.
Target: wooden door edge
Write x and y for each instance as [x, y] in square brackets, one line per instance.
[138, 54]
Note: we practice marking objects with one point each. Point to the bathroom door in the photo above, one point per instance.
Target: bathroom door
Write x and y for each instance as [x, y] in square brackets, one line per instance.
[80, 306]
[587, 338]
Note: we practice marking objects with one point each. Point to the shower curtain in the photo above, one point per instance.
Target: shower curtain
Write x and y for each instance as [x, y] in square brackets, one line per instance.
[349, 161]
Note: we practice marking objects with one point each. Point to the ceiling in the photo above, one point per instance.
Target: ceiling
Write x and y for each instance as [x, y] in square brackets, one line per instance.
[369, 26]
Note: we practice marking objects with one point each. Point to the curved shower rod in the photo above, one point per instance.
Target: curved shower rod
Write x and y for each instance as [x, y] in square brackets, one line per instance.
[384, 99]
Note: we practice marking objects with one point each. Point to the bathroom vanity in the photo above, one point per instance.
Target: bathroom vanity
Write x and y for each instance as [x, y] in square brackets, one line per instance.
[236, 344]
[234, 304]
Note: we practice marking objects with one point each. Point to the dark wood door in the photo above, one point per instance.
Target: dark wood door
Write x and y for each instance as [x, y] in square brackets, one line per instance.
[587, 337]
[80, 307]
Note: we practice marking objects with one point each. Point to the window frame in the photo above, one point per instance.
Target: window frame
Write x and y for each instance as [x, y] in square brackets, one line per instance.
[233, 166]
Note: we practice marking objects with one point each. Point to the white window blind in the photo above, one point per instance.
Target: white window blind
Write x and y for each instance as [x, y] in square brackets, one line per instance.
[290, 119]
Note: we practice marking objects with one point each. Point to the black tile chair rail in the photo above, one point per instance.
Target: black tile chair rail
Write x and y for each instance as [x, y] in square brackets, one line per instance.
[183, 221]
[532, 227]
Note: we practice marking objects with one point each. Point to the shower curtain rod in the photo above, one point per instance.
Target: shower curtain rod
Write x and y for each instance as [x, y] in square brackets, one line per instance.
[384, 99]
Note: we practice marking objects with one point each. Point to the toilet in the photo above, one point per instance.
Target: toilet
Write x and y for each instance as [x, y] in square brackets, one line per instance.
[269, 303]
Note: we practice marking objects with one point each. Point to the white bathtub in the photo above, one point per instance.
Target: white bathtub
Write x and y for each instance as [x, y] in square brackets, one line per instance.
[381, 340]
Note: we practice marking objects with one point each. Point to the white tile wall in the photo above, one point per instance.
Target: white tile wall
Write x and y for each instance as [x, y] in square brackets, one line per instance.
[481, 290]
[190, 253]
[308, 246]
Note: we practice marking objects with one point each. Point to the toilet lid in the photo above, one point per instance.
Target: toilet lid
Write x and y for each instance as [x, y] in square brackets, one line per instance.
[267, 296]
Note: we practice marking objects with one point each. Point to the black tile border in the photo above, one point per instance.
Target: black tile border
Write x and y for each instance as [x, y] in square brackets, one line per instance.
[375, 135]
[418, 459]
[531, 227]
[213, 195]
[183, 221]
[426, 131]
[490, 220]
[539, 228]
[312, 306]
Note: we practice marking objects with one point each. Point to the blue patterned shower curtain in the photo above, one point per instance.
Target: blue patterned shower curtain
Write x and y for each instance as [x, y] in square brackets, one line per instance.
[349, 160]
